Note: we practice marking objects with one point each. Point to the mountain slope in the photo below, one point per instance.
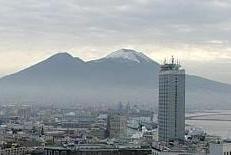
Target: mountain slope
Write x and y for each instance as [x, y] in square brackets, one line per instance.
[131, 55]
[124, 75]
[124, 71]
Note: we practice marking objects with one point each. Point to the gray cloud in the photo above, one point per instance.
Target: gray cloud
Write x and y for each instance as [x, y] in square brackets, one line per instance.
[100, 25]
[193, 20]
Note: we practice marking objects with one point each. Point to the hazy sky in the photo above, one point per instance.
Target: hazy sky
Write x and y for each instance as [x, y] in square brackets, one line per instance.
[196, 31]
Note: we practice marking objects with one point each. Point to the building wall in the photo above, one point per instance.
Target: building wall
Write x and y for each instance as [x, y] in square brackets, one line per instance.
[220, 149]
[117, 126]
[98, 152]
[227, 148]
[13, 151]
[155, 152]
[171, 117]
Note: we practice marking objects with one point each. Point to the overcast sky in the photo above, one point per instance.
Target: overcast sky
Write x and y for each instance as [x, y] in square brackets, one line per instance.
[196, 31]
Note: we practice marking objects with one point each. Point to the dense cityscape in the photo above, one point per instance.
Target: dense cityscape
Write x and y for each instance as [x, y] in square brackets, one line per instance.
[121, 129]
[115, 77]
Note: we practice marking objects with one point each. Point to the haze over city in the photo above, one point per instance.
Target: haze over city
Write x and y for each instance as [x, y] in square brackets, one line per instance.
[197, 32]
[115, 77]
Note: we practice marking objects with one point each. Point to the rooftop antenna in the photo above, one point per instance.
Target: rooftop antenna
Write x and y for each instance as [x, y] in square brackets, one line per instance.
[178, 63]
[165, 60]
[172, 60]
[228, 135]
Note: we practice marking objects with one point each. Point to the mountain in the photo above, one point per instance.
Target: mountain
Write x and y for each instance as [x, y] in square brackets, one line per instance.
[130, 55]
[124, 75]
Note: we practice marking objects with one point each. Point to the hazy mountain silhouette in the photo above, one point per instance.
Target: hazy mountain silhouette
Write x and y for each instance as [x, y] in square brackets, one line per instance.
[124, 75]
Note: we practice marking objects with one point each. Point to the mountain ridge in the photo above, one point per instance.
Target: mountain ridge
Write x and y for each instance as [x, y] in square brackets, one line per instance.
[104, 80]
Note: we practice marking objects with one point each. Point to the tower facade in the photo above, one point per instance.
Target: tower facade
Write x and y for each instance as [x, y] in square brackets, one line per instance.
[116, 125]
[171, 114]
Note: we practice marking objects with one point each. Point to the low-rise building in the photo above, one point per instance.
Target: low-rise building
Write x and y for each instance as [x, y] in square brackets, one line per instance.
[13, 151]
[220, 148]
[96, 149]
[178, 149]
[117, 126]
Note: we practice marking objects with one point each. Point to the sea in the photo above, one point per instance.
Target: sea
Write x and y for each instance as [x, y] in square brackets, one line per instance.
[214, 122]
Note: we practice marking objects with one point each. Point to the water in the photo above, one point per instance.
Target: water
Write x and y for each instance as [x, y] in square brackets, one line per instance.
[220, 127]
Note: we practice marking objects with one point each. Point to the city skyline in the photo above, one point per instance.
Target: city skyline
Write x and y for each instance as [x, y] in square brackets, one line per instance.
[194, 70]
[195, 31]
[115, 77]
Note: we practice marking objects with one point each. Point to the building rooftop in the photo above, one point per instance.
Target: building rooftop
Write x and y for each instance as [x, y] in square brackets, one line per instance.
[173, 65]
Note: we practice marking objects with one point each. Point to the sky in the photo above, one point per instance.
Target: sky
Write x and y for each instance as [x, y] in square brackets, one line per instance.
[198, 32]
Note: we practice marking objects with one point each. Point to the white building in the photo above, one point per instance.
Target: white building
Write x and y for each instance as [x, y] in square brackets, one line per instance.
[171, 116]
[175, 148]
[219, 148]
[157, 152]
[222, 148]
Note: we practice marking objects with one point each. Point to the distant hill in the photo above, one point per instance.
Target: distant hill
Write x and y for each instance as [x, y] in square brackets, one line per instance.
[124, 75]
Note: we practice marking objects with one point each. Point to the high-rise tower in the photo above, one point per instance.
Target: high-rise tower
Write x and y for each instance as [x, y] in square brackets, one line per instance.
[171, 116]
